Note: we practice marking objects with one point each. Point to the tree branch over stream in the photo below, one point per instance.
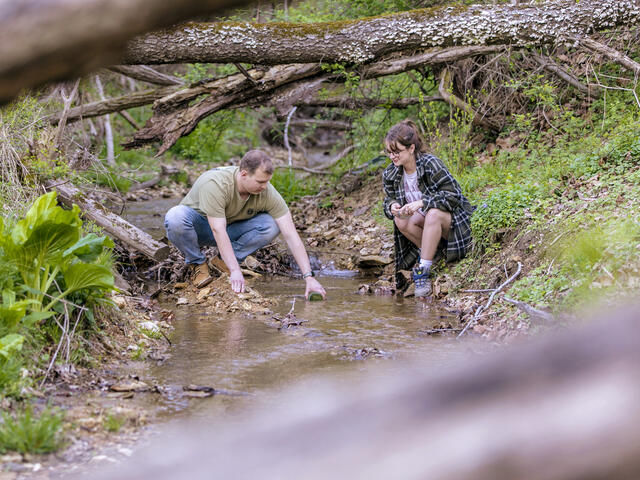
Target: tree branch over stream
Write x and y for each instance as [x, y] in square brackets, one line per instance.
[368, 39]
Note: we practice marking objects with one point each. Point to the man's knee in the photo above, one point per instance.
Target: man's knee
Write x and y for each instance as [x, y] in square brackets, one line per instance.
[268, 227]
[177, 220]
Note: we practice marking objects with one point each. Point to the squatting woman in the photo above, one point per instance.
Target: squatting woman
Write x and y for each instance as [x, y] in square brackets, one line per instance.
[426, 205]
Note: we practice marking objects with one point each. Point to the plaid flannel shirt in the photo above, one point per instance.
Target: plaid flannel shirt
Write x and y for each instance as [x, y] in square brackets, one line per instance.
[439, 190]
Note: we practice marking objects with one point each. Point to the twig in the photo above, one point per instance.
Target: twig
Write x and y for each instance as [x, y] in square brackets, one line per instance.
[244, 72]
[550, 265]
[293, 304]
[483, 290]
[286, 133]
[533, 312]
[67, 100]
[493, 294]
[439, 330]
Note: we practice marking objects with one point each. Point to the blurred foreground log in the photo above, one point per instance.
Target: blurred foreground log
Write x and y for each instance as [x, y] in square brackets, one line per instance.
[131, 236]
[48, 40]
[562, 407]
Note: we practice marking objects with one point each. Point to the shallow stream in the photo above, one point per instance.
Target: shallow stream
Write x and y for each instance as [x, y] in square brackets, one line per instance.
[252, 360]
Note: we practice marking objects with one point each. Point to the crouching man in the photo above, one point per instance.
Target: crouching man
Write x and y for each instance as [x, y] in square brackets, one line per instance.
[239, 211]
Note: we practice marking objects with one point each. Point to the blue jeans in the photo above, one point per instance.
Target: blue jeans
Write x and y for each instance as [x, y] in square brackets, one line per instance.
[188, 231]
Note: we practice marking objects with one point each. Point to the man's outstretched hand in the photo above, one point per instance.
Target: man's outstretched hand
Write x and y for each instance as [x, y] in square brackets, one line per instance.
[237, 281]
[314, 286]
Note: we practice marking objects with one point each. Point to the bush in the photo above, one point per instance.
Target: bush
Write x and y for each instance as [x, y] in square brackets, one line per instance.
[503, 208]
[47, 261]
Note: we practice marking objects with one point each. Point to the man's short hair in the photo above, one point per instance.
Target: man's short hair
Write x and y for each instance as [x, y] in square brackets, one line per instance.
[254, 159]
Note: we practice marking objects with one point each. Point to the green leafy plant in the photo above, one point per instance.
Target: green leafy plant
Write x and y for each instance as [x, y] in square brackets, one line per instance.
[503, 208]
[52, 257]
[28, 433]
[290, 187]
[51, 262]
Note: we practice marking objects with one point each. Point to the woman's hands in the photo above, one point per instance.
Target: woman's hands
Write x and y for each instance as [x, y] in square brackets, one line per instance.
[406, 211]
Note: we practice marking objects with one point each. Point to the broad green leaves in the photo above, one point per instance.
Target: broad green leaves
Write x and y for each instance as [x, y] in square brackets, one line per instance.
[9, 343]
[50, 260]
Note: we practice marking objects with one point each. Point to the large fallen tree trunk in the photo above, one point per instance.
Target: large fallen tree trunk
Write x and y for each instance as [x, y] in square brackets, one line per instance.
[131, 236]
[46, 40]
[364, 40]
[565, 407]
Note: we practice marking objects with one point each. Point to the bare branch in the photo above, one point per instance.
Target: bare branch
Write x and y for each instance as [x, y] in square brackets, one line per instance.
[445, 91]
[549, 65]
[614, 55]
[352, 103]
[146, 74]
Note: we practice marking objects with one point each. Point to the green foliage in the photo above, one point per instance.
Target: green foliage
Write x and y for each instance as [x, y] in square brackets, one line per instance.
[351, 79]
[219, 137]
[503, 208]
[11, 379]
[540, 286]
[454, 148]
[48, 261]
[113, 423]
[52, 257]
[28, 433]
[292, 188]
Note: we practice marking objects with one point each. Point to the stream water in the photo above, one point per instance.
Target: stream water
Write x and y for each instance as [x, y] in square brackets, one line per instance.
[254, 360]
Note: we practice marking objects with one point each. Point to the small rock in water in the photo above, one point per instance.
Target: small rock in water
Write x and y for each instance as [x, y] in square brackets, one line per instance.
[131, 386]
[182, 301]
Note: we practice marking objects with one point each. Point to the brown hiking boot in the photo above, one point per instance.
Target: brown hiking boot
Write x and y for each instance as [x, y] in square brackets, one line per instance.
[218, 265]
[201, 277]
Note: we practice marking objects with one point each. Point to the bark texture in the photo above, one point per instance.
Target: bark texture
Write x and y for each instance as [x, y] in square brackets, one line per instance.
[117, 227]
[364, 40]
[47, 40]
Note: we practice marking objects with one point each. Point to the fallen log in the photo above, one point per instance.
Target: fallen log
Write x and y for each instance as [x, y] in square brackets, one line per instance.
[131, 236]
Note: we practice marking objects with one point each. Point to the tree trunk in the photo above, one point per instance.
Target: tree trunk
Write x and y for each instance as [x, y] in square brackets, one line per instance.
[48, 40]
[131, 236]
[364, 40]
[108, 133]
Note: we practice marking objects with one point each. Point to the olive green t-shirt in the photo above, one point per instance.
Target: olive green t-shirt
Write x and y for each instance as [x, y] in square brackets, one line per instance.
[215, 194]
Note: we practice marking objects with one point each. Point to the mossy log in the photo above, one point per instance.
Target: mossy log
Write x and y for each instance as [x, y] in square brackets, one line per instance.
[131, 236]
[368, 39]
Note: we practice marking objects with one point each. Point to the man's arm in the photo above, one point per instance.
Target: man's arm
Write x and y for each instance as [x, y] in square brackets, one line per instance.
[290, 234]
[219, 229]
